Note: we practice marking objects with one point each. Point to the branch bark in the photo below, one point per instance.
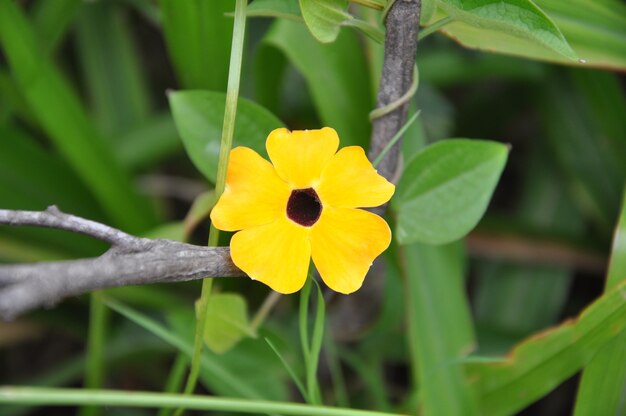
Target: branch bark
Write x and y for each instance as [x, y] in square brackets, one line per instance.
[130, 261]
[397, 76]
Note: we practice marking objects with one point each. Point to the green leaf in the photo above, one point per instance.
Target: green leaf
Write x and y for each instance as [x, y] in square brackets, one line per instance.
[324, 17]
[445, 190]
[603, 382]
[199, 117]
[286, 9]
[64, 120]
[428, 10]
[227, 322]
[520, 18]
[335, 74]
[538, 365]
[440, 326]
[115, 85]
[198, 36]
[596, 30]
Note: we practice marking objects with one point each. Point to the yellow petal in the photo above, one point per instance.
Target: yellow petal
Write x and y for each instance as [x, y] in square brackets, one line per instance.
[277, 254]
[344, 243]
[350, 181]
[300, 156]
[254, 194]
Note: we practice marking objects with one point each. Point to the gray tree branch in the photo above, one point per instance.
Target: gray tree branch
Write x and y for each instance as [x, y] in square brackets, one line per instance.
[130, 261]
[397, 76]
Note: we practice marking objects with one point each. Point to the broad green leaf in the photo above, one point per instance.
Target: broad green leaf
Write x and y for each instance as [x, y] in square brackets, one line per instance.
[440, 326]
[64, 120]
[519, 18]
[444, 191]
[115, 85]
[198, 35]
[335, 73]
[324, 17]
[428, 10]
[286, 9]
[602, 387]
[595, 30]
[199, 118]
[542, 362]
[227, 322]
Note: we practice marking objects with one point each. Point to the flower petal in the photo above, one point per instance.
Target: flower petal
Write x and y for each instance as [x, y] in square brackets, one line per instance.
[277, 254]
[299, 157]
[350, 181]
[344, 243]
[254, 194]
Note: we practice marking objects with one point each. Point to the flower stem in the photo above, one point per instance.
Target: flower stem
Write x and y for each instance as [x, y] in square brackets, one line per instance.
[230, 112]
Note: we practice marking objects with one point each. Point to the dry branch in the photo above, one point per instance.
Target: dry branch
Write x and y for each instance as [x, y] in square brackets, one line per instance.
[130, 261]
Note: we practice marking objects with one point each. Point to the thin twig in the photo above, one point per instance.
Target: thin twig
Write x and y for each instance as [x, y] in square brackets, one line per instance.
[130, 261]
[53, 218]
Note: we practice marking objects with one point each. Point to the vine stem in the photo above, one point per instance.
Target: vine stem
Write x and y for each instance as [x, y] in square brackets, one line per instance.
[434, 27]
[228, 129]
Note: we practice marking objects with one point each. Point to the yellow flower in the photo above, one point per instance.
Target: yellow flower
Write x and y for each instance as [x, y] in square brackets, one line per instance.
[301, 207]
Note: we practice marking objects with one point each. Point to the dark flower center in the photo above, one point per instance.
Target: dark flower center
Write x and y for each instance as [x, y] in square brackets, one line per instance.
[304, 207]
